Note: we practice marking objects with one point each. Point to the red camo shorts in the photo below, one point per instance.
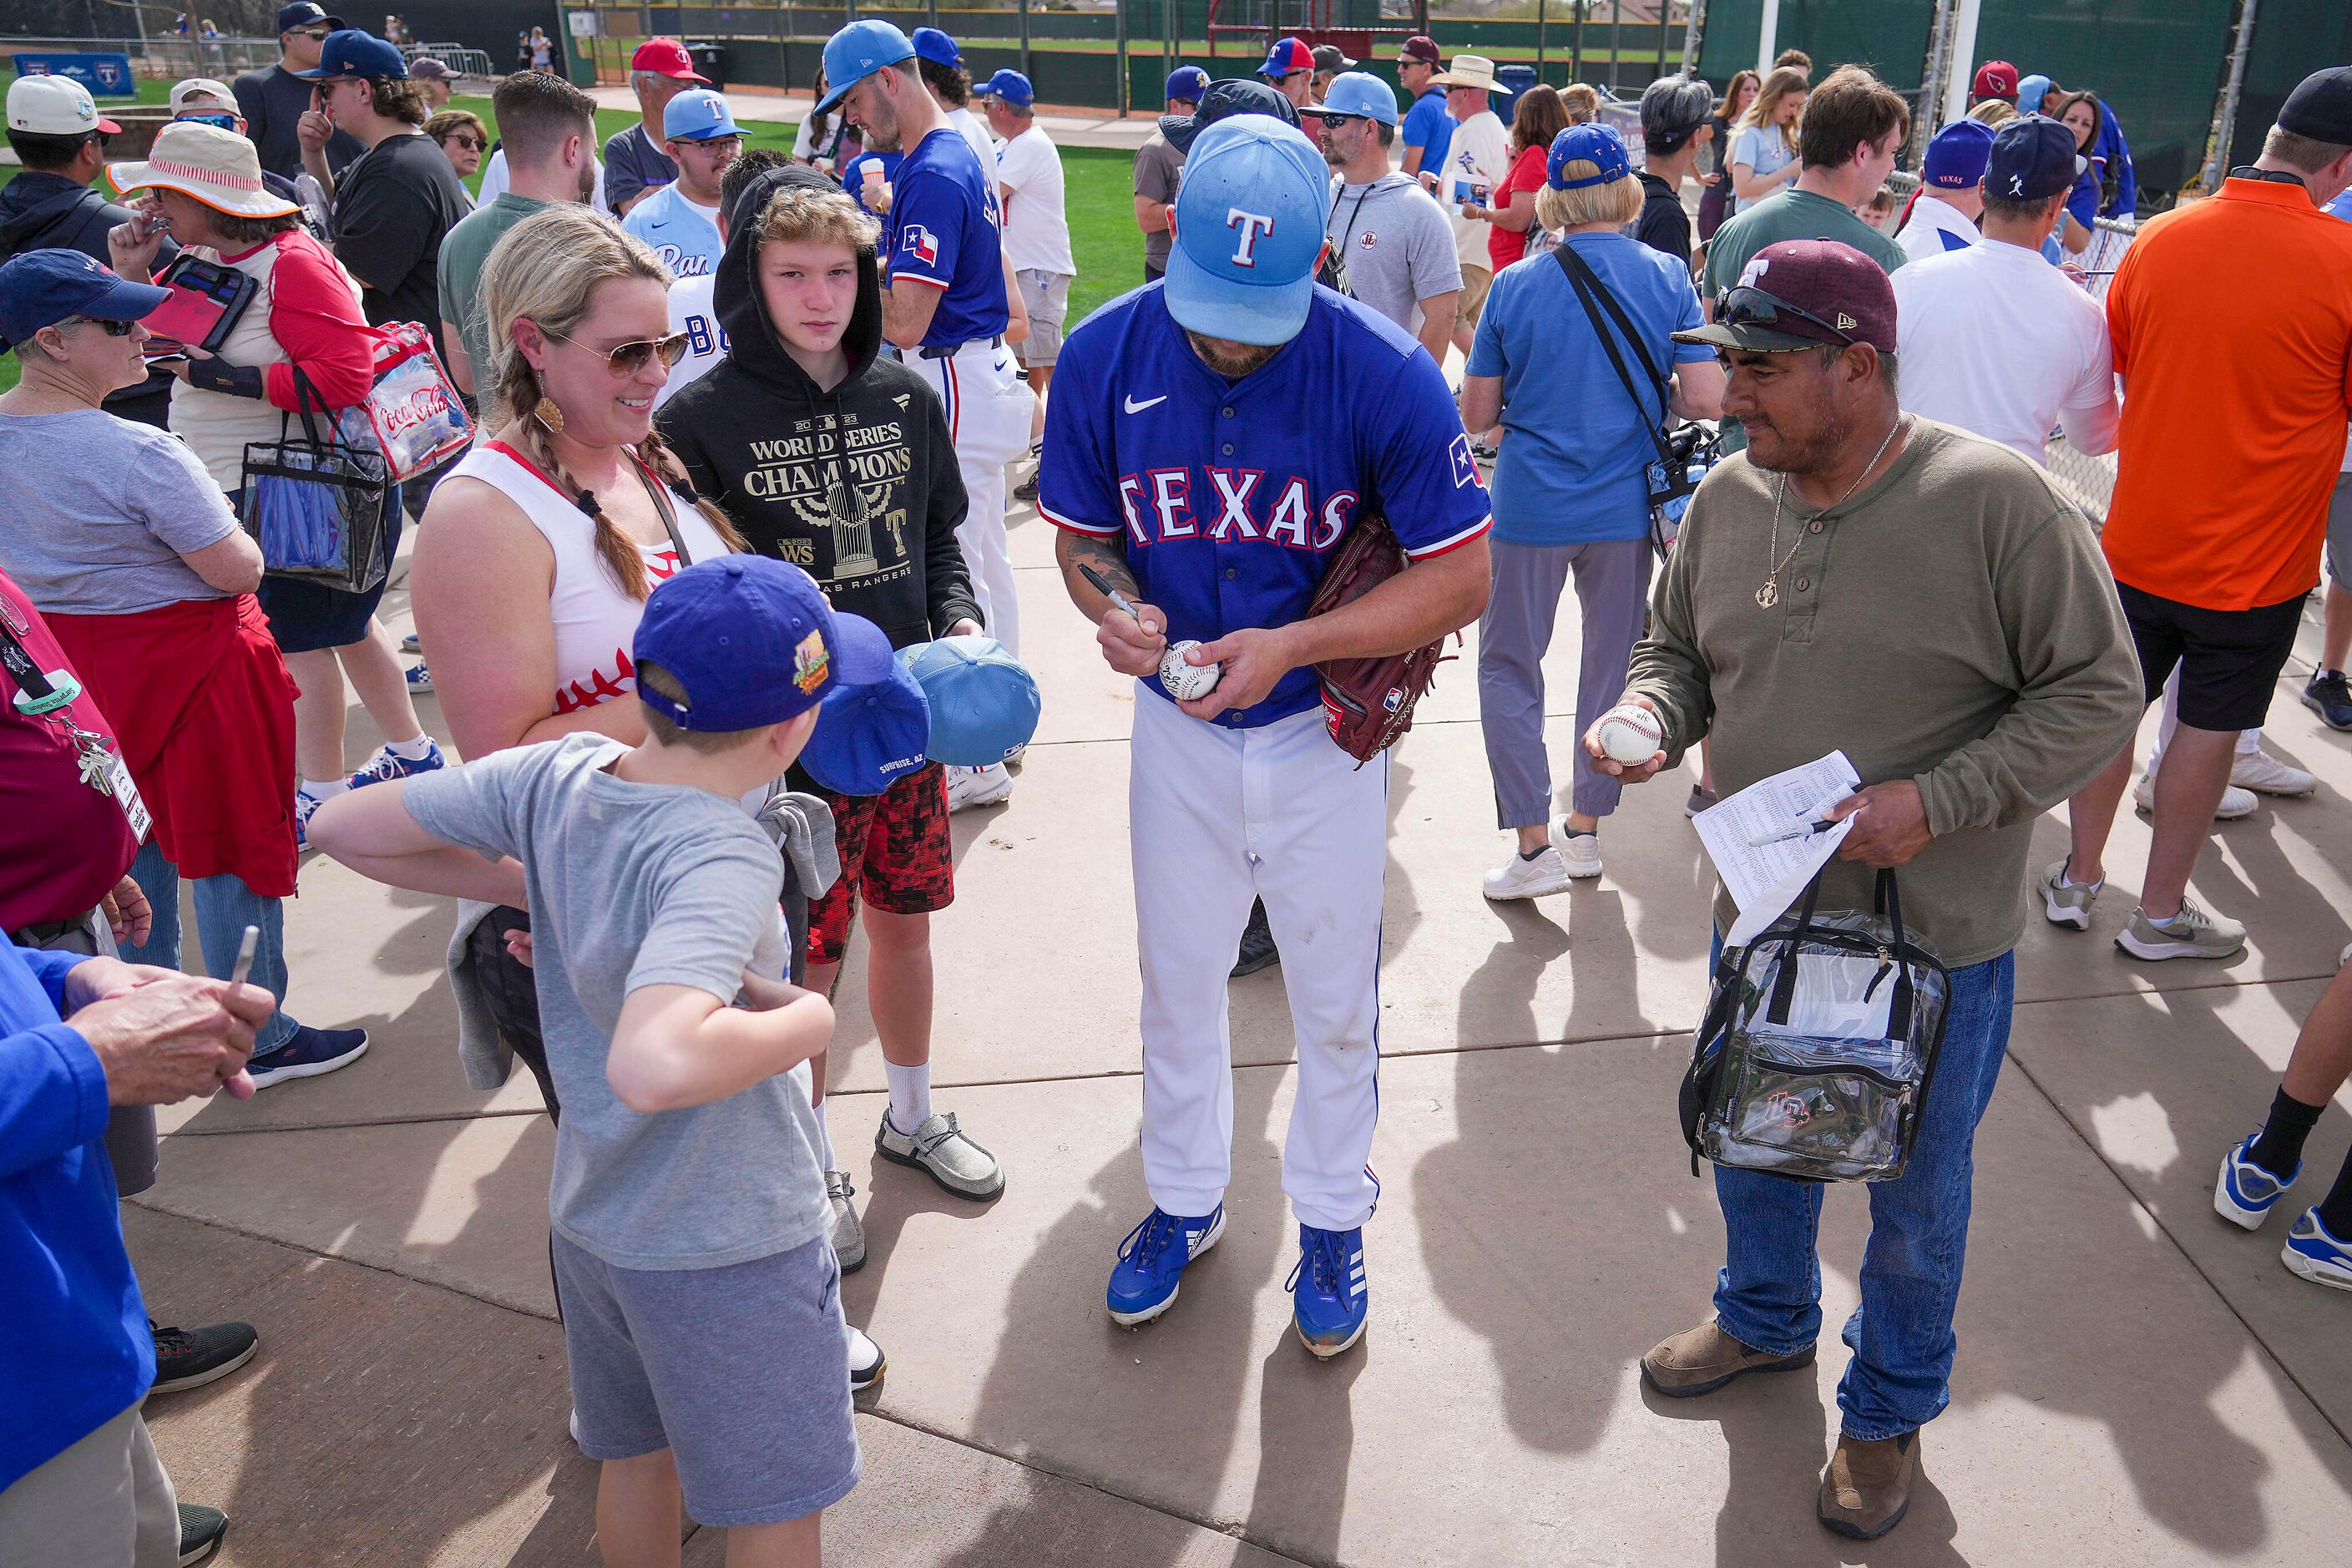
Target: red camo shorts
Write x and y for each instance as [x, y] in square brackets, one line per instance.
[897, 855]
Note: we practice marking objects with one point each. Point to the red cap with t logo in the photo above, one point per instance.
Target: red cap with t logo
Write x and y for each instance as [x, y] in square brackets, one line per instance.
[666, 56]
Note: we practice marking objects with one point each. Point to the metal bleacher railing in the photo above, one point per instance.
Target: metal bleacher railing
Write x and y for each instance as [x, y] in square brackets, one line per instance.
[2091, 481]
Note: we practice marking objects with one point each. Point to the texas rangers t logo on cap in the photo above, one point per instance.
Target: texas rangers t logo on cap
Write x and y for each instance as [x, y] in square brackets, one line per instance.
[1252, 225]
[920, 243]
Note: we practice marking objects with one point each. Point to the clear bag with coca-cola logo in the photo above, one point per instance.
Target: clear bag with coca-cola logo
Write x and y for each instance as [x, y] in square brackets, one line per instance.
[413, 413]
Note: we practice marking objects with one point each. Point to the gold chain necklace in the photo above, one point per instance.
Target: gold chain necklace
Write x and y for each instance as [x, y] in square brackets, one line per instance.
[1770, 594]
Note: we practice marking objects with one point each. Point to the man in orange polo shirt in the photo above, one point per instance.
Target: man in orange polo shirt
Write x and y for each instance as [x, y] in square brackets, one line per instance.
[2232, 322]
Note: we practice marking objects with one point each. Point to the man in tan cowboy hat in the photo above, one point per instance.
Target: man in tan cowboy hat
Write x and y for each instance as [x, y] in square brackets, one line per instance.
[1476, 159]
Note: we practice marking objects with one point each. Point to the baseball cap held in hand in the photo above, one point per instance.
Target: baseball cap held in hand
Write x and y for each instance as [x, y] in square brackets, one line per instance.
[983, 701]
[751, 642]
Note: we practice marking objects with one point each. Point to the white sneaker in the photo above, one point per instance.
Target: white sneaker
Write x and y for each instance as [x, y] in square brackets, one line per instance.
[867, 1362]
[2194, 932]
[2235, 801]
[977, 787]
[1579, 852]
[2258, 769]
[1520, 877]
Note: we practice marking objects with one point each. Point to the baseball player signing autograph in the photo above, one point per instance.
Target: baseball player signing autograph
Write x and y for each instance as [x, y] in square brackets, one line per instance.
[1212, 440]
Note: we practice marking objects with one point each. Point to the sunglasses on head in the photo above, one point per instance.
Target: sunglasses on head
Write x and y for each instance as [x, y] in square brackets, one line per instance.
[1752, 307]
[223, 120]
[627, 359]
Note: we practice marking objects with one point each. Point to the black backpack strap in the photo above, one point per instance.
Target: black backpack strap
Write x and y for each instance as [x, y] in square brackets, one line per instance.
[1890, 904]
[1590, 288]
[1784, 981]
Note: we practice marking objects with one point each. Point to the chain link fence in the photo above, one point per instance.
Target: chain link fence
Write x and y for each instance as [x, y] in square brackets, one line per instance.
[2088, 481]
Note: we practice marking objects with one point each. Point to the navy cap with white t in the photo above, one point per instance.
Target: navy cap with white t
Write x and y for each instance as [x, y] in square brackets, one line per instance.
[352, 53]
[983, 701]
[2032, 157]
[751, 642]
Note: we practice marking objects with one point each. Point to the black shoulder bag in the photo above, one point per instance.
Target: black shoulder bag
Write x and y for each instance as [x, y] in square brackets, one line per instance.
[1683, 455]
[316, 505]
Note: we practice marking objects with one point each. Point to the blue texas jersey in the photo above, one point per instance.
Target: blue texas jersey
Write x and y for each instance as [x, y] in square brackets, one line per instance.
[943, 232]
[1233, 496]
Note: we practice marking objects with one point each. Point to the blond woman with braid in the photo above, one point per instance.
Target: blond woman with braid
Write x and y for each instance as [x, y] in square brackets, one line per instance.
[539, 547]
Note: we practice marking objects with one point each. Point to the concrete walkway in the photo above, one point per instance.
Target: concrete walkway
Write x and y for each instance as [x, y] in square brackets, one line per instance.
[1068, 128]
[2137, 1382]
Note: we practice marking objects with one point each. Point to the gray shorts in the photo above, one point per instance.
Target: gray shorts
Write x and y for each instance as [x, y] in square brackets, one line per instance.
[1047, 297]
[2339, 534]
[741, 1372]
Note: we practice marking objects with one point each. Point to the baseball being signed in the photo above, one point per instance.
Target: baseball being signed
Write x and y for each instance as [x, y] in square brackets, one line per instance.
[1187, 682]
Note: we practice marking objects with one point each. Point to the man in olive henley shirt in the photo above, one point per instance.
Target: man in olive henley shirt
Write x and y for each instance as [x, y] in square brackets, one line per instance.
[1922, 599]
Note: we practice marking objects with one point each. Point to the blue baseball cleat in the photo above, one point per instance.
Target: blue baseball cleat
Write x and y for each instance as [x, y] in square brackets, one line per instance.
[2318, 1257]
[2245, 1193]
[1327, 1289]
[1152, 1260]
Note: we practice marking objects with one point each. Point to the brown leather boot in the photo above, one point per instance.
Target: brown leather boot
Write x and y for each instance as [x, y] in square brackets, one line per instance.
[1702, 1360]
[1868, 1485]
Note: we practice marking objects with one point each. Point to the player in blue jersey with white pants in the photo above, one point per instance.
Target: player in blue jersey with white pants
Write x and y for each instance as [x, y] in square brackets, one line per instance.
[1210, 439]
[943, 305]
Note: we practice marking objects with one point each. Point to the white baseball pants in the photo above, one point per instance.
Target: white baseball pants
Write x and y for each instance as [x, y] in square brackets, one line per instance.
[989, 408]
[1217, 818]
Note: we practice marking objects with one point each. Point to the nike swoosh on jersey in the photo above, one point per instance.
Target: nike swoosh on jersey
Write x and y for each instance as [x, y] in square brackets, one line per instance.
[1135, 408]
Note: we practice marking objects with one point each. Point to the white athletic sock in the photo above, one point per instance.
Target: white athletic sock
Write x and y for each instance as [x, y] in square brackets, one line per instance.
[824, 1139]
[415, 751]
[910, 1095]
[325, 790]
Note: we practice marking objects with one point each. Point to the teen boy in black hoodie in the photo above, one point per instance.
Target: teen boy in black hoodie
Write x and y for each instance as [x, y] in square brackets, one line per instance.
[842, 464]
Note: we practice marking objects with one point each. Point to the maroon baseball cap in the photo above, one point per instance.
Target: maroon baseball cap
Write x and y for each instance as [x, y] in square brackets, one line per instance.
[1803, 294]
[1421, 46]
[1995, 78]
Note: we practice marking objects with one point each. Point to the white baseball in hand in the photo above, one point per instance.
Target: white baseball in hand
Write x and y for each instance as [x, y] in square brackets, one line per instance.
[1187, 682]
[1631, 734]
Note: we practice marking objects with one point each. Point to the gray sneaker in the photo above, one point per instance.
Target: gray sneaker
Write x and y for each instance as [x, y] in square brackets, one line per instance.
[940, 1147]
[848, 1236]
[2065, 903]
[2192, 933]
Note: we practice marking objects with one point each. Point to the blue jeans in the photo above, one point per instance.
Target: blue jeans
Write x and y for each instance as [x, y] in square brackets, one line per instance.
[225, 907]
[1769, 1293]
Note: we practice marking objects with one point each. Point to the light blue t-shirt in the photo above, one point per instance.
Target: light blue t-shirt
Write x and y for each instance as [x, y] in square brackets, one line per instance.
[686, 236]
[1764, 147]
[1575, 445]
[635, 885]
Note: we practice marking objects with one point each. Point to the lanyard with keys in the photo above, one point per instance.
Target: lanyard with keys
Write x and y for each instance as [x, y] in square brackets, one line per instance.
[48, 697]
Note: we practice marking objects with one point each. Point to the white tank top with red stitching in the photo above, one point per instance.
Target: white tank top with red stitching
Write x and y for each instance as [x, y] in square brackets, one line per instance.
[596, 623]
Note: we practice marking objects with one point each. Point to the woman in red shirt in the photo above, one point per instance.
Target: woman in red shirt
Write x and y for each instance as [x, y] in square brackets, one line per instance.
[1541, 115]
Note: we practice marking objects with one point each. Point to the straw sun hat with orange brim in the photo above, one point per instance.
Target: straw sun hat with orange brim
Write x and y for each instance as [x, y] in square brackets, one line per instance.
[216, 167]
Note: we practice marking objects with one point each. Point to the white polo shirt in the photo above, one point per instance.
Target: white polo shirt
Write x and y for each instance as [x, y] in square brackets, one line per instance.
[1998, 342]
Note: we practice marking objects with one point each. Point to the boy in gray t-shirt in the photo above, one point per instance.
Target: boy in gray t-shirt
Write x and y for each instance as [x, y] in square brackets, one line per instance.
[701, 1311]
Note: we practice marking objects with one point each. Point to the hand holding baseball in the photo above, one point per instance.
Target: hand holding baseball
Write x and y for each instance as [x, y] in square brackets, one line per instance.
[1617, 724]
[1132, 644]
[1254, 659]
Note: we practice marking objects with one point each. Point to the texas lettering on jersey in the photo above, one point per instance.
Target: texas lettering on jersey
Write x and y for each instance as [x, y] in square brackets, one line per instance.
[1230, 505]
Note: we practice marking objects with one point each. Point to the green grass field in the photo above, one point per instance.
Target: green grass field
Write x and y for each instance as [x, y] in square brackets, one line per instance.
[1103, 239]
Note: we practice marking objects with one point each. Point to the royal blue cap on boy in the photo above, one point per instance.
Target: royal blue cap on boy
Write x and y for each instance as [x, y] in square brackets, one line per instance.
[352, 53]
[1187, 83]
[984, 702]
[1249, 229]
[751, 642]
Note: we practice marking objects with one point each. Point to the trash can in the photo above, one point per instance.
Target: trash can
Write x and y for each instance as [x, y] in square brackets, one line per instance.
[711, 60]
[1511, 82]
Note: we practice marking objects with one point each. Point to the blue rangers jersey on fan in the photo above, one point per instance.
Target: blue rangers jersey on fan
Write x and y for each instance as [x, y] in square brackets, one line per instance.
[941, 231]
[1233, 497]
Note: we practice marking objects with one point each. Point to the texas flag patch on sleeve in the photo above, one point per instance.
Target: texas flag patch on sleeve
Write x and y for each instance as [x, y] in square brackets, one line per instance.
[1465, 466]
[921, 244]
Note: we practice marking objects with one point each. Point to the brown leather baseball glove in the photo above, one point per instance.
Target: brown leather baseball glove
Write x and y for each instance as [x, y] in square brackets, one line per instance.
[1368, 702]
